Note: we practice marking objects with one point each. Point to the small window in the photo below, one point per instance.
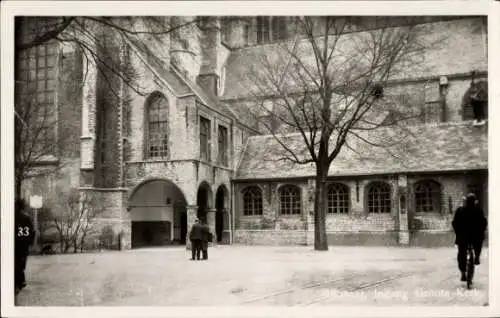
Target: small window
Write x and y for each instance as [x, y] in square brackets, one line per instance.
[271, 29]
[290, 200]
[379, 198]
[204, 139]
[475, 101]
[252, 201]
[222, 140]
[226, 30]
[262, 29]
[246, 34]
[338, 199]
[279, 28]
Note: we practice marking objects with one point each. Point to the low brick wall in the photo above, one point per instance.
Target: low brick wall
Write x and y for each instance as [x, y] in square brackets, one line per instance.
[270, 237]
[432, 238]
[348, 223]
[434, 222]
[382, 238]
[294, 237]
[369, 238]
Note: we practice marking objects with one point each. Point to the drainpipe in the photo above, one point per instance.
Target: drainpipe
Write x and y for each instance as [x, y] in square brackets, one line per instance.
[231, 218]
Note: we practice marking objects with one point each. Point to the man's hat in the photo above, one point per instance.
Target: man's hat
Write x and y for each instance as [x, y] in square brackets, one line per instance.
[471, 195]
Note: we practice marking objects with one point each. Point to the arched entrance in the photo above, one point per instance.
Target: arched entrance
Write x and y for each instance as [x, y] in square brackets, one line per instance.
[203, 201]
[158, 214]
[221, 215]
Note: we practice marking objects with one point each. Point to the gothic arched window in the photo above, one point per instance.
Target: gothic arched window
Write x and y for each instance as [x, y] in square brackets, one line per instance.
[252, 201]
[338, 198]
[379, 198]
[289, 200]
[157, 126]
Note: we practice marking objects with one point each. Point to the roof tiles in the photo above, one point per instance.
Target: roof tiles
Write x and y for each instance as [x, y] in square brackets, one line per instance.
[422, 148]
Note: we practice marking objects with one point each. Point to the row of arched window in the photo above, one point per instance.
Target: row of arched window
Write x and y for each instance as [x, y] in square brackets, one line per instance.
[378, 199]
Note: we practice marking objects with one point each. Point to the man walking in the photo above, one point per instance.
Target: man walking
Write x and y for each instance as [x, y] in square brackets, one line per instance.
[196, 238]
[24, 236]
[469, 225]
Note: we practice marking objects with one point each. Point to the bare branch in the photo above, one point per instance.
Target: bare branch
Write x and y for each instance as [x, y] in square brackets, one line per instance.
[47, 36]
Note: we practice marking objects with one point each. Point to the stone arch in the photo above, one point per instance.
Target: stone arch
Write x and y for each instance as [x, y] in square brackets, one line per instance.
[252, 186]
[157, 211]
[225, 189]
[204, 200]
[152, 179]
[222, 217]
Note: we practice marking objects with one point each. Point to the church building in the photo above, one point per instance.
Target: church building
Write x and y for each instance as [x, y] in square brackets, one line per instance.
[183, 143]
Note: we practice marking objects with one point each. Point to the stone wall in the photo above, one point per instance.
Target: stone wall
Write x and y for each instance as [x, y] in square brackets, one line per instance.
[186, 52]
[62, 170]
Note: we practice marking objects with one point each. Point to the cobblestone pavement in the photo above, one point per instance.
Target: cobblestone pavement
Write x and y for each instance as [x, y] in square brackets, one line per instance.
[254, 276]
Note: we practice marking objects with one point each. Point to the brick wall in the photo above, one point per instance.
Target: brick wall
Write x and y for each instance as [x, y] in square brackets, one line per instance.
[358, 225]
[270, 237]
[97, 239]
[110, 203]
[111, 208]
[344, 223]
[69, 101]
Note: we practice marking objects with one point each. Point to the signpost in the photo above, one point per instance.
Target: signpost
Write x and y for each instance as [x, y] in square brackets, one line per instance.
[36, 202]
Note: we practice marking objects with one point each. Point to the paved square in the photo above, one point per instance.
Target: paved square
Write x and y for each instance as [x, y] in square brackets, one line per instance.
[261, 276]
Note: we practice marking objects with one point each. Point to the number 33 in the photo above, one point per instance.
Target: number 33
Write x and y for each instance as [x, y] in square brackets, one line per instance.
[23, 231]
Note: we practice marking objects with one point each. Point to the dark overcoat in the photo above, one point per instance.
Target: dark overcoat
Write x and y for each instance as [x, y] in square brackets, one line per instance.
[206, 236]
[469, 224]
[196, 232]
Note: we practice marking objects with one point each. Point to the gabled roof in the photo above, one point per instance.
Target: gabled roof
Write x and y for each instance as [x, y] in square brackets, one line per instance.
[422, 148]
[180, 83]
[154, 62]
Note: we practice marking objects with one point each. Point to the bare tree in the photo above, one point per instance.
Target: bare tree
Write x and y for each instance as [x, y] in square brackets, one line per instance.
[100, 40]
[328, 87]
[72, 216]
[34, 129]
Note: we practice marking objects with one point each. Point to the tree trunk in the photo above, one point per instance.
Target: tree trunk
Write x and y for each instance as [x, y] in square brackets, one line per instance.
[320, 239]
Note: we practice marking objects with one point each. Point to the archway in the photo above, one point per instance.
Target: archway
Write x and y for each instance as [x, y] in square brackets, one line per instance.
[204, 201]
[158, 214]
[221, 215]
